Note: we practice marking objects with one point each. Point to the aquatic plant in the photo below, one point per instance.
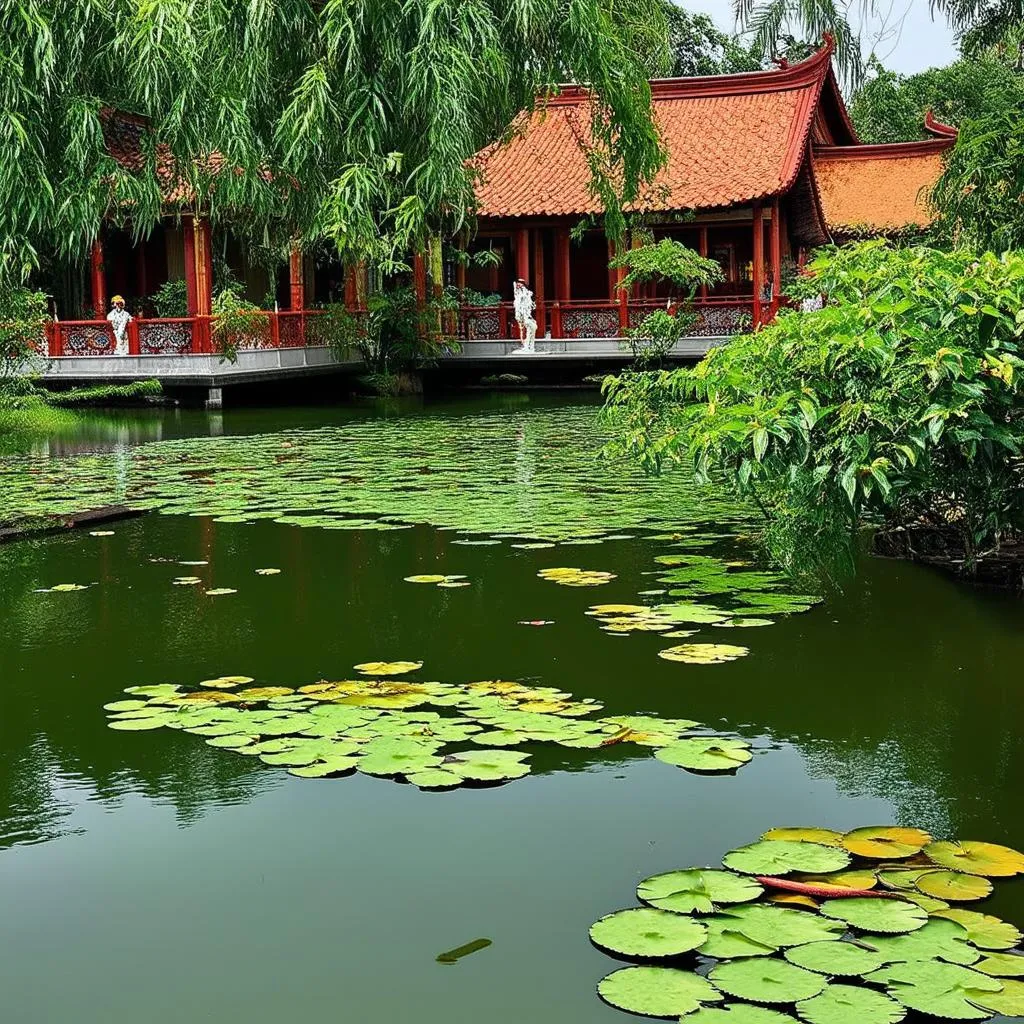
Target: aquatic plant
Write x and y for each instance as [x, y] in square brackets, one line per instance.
[836, 928]
[382, 726]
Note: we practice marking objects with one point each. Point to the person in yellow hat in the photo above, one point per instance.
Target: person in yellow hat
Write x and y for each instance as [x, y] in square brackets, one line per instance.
[119, 318]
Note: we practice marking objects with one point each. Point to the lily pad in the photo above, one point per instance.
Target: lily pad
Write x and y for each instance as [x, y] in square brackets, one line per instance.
[220, 591]
[952, 885]
[891, 842]
[850, 1004]
[388, 668]
[876, 915]
[780, 926]
[780, 857]
[706, 754]
[983, 930]
[765, 980]
[398, 757]
[488, 765]
[696, 890]
[942, 990]
[425, 578]
[435, 778]
[647, 933]
[656, 991]
[268, 572]
[226, 682]
[939, 939]
[1002, 965]
[839, 958]
[338, 765]
[1009, 1002]
[738, 1013]
[821, 836]
[703, 654]
[977, 858]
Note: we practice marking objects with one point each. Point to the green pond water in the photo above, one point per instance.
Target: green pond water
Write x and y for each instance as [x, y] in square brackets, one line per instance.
[151, 876]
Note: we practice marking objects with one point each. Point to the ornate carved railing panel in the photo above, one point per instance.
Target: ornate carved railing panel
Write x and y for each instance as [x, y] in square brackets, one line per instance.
[85, 338]
[165, 337]
[590, 320]
[291, 329]
[484, 323]
[722, 316]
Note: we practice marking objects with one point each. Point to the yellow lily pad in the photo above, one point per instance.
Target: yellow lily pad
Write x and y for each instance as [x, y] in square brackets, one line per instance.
[976, 858]
[268, 572]
[703, 654]
[388, 668]
[226, 682]
[219, 591]
[953, 885]
[823, 836]
[886, 841]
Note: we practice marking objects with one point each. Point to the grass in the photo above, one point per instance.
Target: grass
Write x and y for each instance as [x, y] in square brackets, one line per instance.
[31, 418]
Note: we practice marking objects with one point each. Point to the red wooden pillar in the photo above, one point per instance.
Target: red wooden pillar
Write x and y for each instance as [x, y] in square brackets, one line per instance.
[350, 287]
[199, 278]
[538, 282]
[189, 239]
[612, 273]
[204, 268]
[758, 262]
[419, 279]
[563, 280]
[702, 245]
[618, 293]
[775, 251]
[98, 280]
[296, 280]
[522, 243]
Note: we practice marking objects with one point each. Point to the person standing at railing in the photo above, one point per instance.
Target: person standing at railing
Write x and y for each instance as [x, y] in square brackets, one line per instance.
[523, 306]
[119, 319]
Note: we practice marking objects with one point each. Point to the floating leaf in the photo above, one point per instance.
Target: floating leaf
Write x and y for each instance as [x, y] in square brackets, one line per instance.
[706, 754]
[337, 765]
[644, 932]
[101, 533]
[779, 857]
[850, 1004]
[983, 930]
[939, 939]
[388, 668]
[226, 682]
[268, 572]
[857, 878]
[780, 927]
[977, 858]
[398, 757]
[821, 836]
[65, 588]
[703, 654]
[125, 705]
[943, 990]
[727, 941]
[568, 577]
[738, 1013]
[764, 980]
[186, 581]
[454, 955]
[696, 890]
[886, 841]
[656, 991]
[488, 765]
[435, 778]
[220, 591]
[1002, 965]
[139, 724]
[842, 958]
[952, 885]
[425, 578]
[1009, 1002]
[876, 915]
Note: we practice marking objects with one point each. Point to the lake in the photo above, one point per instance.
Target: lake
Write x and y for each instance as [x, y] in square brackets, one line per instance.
[152, 876]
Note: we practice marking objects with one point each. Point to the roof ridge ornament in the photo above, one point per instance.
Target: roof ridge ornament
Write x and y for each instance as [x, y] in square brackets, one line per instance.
[935, 127]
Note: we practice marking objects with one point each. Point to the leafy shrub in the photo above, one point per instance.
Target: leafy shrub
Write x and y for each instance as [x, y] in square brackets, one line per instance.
[171, 299]
[667, 260]
[657, 335]
[23, 320]
[237, 323]
[897, 404]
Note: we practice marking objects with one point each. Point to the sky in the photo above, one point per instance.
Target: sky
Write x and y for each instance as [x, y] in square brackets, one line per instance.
[921, 43]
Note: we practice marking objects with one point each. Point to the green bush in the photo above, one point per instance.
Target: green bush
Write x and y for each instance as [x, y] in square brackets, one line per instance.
[657, 335]
[171, 299]
[897, 404]
[236, 323]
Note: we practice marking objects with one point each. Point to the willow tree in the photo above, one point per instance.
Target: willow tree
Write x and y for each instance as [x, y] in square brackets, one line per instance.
[350, 119]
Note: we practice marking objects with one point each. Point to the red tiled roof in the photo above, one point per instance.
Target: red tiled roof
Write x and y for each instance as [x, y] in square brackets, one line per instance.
[730, 139]
[880, 189]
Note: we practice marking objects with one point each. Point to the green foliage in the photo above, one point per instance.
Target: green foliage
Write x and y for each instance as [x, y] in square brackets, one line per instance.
[981, 24]
[890, 107]
[352, 120]
[670, 261]
[171, 299]
[697, 47]
[654, 338]
[23, 319]
[236, 323]
[979, 196]
[895, 404]
[393, 334]
[107, 394]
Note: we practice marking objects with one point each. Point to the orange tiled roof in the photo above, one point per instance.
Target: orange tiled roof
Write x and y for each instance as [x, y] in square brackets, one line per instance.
[730, 139]
[879, 189]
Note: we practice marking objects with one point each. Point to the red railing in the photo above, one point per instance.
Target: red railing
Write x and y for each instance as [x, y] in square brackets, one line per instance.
[178, 336]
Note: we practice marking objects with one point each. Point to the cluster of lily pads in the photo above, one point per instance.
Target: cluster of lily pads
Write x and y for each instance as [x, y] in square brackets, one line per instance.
[569, 577]
[382, 726]
[507, 475]
[744, 599]
[853, 928]
[448, 582]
